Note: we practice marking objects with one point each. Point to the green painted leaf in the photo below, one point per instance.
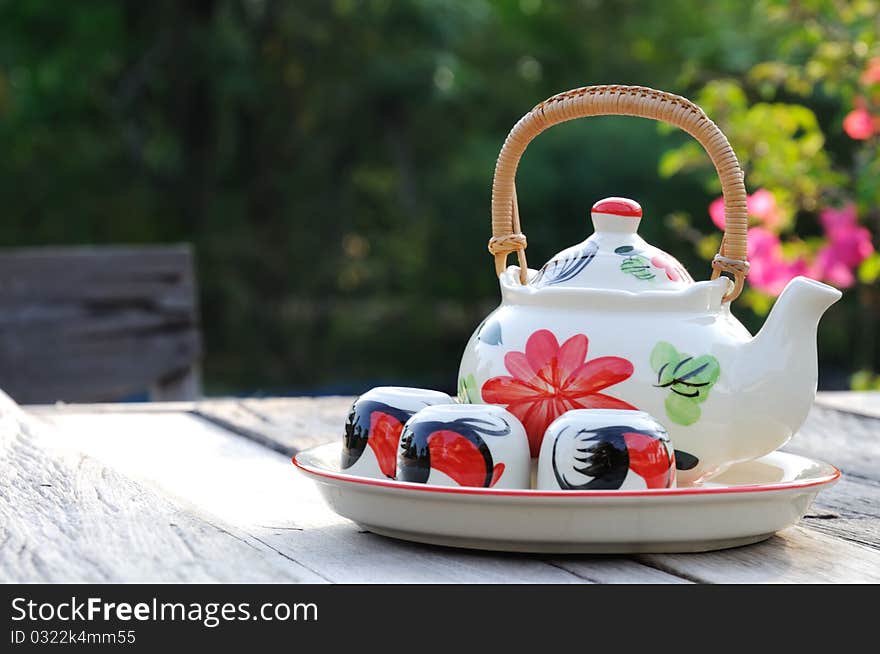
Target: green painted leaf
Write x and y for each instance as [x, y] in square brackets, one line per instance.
[693, 377]
[688, 379]
[638, 266]
[467, 390]
[682, 410]
[663, 353]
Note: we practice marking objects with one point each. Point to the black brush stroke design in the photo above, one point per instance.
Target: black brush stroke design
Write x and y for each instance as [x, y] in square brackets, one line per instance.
[605, 459]
[603, 456]
[414, 458]
[683, 380]
[685, 460]
[565, 268]
[357, 428]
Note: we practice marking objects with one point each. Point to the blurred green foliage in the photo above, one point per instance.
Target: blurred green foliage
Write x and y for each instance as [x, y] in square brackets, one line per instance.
[332, 160]
[784, 116]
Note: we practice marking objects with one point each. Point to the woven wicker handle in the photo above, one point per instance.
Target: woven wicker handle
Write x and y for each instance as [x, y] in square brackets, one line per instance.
[507, 236]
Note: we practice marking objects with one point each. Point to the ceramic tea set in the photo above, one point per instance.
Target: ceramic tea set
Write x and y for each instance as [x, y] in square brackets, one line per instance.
[609, 370]
[423, 436]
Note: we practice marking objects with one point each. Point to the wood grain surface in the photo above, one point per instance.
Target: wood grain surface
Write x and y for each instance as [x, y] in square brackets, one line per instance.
[208, 489]
[66, 516]
[90, 324]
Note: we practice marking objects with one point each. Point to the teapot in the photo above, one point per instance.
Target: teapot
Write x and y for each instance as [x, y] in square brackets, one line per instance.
[615, 323]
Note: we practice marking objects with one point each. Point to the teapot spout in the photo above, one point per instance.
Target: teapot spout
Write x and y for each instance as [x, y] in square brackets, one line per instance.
[791, 325]
[779, 367]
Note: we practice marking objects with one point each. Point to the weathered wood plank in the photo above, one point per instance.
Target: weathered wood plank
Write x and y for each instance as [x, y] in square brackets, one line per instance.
[850, 498]
[615, 570]
[849, 441]
[65, 516]
[256, 491]
[226, 478]
[843, 523]
[855, 530]
[866, 403]
[97, 273]
[91, 324]
[795, 555]
[286, 425]
[110, 368]
[50, 410]
[175, 385]
[849, 510]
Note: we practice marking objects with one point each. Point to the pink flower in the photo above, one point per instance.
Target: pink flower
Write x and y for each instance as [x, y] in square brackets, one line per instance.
[836, 220]
[716, 212]
[850, 241]
[830, 269]
[848, 244]
[852, 247]
[872, 72]
[859, 124]
[770, 271]
[761, 205]
[763, 244]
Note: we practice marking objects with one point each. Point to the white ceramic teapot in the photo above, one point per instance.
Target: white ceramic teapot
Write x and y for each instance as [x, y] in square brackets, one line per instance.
[615, 323]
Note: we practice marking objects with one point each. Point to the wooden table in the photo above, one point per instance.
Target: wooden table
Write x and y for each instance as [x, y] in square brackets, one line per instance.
[205, 491]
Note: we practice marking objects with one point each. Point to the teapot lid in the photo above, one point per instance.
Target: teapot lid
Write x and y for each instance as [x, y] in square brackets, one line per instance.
[614, 257]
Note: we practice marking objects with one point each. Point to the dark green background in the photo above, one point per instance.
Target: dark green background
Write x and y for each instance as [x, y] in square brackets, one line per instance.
[332, 161]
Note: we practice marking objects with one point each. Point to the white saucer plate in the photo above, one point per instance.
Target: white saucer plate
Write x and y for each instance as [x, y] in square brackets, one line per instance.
[746, 504]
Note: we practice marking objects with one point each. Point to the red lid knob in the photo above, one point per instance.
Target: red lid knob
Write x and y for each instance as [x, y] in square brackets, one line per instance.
[618, 207]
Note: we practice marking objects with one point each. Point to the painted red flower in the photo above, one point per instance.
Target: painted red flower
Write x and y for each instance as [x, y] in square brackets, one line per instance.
[673, 269]
[547, 380]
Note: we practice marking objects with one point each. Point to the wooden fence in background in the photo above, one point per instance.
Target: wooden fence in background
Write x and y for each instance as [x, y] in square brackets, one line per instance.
[90, 324]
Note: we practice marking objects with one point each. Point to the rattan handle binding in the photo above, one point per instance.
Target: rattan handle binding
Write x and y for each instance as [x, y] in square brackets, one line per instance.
[640, 101]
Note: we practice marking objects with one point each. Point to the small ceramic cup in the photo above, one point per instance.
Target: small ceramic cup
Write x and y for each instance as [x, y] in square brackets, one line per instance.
[374, 424]
[464, 445]
[605, 449]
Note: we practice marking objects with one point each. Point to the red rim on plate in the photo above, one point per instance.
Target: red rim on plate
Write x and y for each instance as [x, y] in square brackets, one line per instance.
[497, 492]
